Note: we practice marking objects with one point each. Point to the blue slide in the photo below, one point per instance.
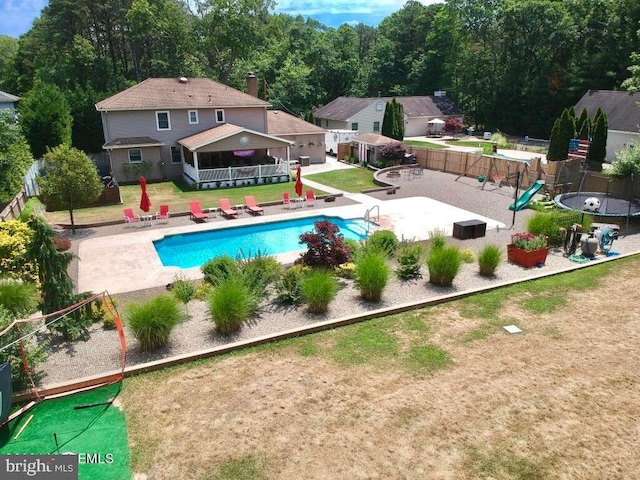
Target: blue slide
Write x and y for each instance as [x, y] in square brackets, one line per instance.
[526, 197]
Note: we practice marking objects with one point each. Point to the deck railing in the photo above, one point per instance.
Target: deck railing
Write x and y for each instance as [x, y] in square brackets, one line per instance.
[221, 177]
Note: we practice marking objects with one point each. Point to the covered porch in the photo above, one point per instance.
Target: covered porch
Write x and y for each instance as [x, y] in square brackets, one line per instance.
[229, 155]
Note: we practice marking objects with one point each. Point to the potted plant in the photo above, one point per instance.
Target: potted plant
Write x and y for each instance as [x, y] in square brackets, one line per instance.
[527, 249]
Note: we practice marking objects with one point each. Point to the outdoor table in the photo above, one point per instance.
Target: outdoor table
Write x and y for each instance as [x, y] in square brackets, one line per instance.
[146, 219]
[239, 208]
[211, 212]
[298, 202]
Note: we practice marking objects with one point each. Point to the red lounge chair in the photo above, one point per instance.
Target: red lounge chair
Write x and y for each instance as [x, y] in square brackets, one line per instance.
[310, 198]
[225, 208]
[251, 205]
[286, 201]
[130, 217]
[196, 212]
[163, 214]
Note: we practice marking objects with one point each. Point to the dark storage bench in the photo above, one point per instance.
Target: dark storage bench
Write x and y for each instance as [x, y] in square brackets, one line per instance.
[469, 229]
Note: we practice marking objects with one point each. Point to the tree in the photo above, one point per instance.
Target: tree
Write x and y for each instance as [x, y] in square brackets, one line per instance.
[598, 148]
[583, 125]
[15, 157]
[45, 118]
[393, 151]
[632, 84]
[8, 49]
[70, 180]
[563, 131]
[452, 125]
[393, 120]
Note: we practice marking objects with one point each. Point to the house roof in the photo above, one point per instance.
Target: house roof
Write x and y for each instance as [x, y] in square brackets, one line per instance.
[221, 132]
[8, 98]
[281, 123]
[132, 142]
[621, 107]
[344, 108]
[374, 139]
[173, 93]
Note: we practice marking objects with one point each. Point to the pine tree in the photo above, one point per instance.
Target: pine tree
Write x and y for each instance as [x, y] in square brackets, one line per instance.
[399, 118]
[555, 151]
[598, 148]
[388, 121]
[563, 130]
[583, 125]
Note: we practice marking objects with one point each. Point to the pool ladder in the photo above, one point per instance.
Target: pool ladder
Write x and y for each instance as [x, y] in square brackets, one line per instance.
[368, 216]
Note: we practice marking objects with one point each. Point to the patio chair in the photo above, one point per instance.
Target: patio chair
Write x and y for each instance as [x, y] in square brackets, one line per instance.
[130, 217]
[310, 198]
[226, 210]
[196, 212]
[251, 206]
[286, 201]
[163, 214]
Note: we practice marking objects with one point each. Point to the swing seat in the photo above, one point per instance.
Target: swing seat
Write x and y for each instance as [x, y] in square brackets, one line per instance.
[498, 179]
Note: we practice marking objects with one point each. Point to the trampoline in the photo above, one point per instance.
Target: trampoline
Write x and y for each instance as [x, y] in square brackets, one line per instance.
[610, 205]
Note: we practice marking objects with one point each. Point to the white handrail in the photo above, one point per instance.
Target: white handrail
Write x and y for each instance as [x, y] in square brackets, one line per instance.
[367, 216]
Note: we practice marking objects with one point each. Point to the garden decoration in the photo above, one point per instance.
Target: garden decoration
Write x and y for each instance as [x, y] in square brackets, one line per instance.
[527, 249]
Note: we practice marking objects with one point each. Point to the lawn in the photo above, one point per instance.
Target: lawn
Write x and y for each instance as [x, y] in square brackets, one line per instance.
[178, 195]
[418, 143]
[440, 392]
[466, 143]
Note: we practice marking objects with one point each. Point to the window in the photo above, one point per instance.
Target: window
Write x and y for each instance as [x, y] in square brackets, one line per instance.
[176, 157]
[376, 126]
[220, 116]
[379, 106]
[326, 124]
[193, 117]
[163, 121]
[354, 126]
[135, 155]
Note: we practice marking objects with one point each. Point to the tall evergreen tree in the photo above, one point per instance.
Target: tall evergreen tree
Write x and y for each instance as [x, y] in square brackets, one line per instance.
[598, 148]
[583, 124]
[563, 131]
[389, 121]
[399, 121]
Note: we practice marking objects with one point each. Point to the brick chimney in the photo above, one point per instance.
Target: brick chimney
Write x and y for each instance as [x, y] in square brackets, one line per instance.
[252, 84]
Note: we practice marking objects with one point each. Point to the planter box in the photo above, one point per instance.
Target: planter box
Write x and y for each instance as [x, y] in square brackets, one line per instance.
[527, 259]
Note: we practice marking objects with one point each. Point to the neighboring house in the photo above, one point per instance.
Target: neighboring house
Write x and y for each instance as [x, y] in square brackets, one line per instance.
[623, 115]
[8, 101]
[366, 114]
[210, 134]
[366, 147]
[308, 138]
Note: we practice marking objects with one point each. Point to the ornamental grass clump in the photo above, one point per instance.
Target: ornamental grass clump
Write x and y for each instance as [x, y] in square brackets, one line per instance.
[372, 274]
[230, 305]
[384, 241]
[153, 321]
[319, 288]
[489, 258]
[528, 241]
[444, 264]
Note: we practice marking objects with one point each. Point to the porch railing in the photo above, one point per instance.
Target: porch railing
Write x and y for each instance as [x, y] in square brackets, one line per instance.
[233, 174]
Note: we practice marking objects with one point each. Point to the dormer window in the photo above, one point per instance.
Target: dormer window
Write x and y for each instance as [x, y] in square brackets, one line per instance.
[193, 117]
[163, 121]
[219, 116]
[379, 106]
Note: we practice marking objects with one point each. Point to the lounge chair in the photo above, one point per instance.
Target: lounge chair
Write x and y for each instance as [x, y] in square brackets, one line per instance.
[226, 210]
[251, 206]
[196, 212]
[163, 214]
[310, 198]
[286, 201]
[130, 217]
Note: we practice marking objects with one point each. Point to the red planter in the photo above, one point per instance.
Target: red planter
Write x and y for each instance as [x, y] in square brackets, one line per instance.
[527, 259]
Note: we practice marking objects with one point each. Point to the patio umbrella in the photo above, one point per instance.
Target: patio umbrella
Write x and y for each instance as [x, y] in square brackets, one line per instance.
[299, 181]
[145, 203]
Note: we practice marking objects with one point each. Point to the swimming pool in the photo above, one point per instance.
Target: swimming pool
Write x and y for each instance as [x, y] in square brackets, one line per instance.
[189, 250]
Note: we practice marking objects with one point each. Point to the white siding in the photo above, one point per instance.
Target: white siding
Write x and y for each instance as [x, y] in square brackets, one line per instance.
[617, 140]
[365, 119]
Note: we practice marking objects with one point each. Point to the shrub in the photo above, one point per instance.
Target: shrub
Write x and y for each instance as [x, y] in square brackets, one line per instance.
[438, 239]
[15, 236]
[489, 259]
[259, 272]
[62, 244]
[219, 269]
[230, 305]
[325, 246]
[153, 321]
[355, 247]
[627, 163]
[384, 241]
[500, 139]
[444, 264]
[203, 291]
[19, 298]
[468, 256]
[346, 270]
[372, 275]
[319, 288]
[409, 259]
[289, 286]
[548, 224]
[183, 289]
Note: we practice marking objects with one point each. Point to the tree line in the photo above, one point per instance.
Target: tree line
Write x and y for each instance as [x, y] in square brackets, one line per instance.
[512, 65]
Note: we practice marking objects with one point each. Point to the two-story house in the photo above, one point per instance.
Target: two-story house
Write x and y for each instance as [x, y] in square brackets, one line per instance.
[366, 114]
[210, 134]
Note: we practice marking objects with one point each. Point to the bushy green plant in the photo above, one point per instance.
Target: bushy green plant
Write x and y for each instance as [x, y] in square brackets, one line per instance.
[500, 139]
[438, 239]
[230, 305]
[468, 256]
[183, 289]
[19, 298]
[627, 163]
[444, 264]
[319, 288]
[289, 285]
[346, 270]
[354, 247]
[409, 260]
[152, 322]
[15, 237]
[528, 241]
[372, 275]
[547, 224]
[259, 272]
[219, 269]
[384, 241]
[35, 352]
[489, 258]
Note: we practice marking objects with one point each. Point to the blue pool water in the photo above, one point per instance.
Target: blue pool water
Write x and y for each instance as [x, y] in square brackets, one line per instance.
[194, 249]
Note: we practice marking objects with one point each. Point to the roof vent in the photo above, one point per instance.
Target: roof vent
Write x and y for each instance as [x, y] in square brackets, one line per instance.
[183, 79]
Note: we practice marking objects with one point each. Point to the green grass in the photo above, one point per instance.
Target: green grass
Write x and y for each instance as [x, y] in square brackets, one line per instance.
[502, 463]
[352, 180]
[364, 344]
[467, 143]
[177, 195]
[419, 144]
[248, 467]
[427, 358]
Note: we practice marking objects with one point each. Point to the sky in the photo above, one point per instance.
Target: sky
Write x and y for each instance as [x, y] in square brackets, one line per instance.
[16, 16]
